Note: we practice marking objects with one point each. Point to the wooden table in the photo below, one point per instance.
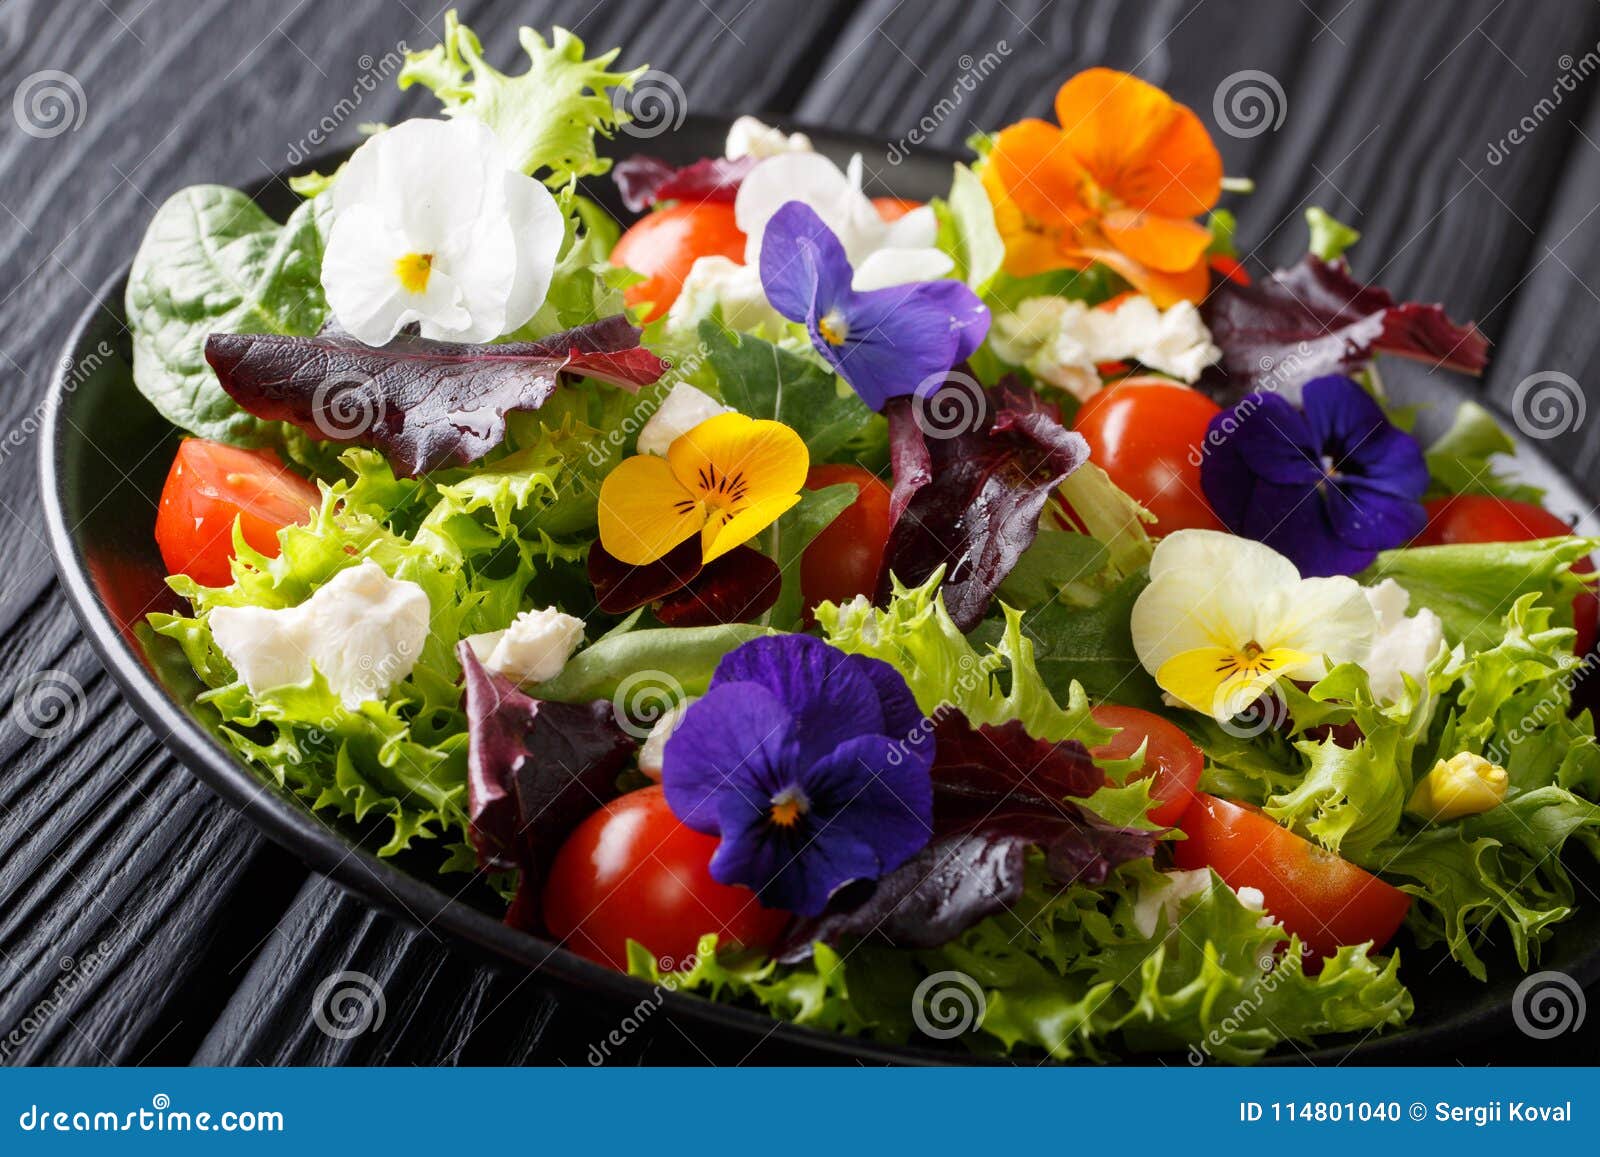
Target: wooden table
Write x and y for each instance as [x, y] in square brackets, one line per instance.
[144, 922]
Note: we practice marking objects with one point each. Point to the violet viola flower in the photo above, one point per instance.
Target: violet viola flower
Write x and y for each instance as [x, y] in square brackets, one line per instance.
[1328, 485]
[811, 765]
[884, 341]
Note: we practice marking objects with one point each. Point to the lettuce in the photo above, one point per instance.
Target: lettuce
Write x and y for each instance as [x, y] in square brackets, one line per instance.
[967, 230]
[1461, 461]
[546, 117]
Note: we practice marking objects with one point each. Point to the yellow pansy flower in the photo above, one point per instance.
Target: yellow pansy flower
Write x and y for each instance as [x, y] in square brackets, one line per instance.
[728, 479]
[1224, 618]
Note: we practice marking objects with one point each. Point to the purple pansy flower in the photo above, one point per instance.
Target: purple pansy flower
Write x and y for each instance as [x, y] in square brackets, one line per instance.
[811, 765]
[1328, 485]
[884, 342]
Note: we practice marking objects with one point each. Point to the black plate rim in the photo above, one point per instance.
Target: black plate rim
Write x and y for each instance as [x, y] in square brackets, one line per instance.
[323, 849]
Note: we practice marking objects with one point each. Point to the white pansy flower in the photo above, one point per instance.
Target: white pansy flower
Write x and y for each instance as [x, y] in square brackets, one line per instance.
[749, 136]
[1061, 341]
[431, 226]
[1404, 645]
[1224, 618]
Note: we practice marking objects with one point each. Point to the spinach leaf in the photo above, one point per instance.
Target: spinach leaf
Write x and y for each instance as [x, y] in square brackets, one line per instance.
[808, 518]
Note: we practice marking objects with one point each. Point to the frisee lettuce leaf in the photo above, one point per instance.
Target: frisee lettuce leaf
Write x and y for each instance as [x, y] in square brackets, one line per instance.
[547, 117]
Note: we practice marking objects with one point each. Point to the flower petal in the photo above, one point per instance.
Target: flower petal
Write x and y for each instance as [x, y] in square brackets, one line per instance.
[736, 735]
[1207, 679]
[876, 791]
[645, 511]
[886, 267]
[1165, 289]
[1041, 174]
[539, 228]
[1321, 617]
[1165, 244]
[723, 531]
[900, 337]
[803, 266]
[810, 178]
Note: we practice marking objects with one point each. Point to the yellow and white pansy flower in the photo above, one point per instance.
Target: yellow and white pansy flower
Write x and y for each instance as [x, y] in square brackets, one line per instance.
[431, 226]
[727, 480]
[1224, 618]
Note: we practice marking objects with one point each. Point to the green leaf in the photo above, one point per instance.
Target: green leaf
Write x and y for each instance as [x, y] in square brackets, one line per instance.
[546, 117]
[1329, 238]
[1223, 226]
[761, 380]
[1092, 646]
[1056, 561]
[212, 261]
[1111, 516]
[678, 660]
[1462, 460]
[967, 230]
[799, 525]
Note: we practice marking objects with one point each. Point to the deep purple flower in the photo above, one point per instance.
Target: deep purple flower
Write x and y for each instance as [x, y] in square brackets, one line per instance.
[1328, 485]
[812, 766]
[884, 342]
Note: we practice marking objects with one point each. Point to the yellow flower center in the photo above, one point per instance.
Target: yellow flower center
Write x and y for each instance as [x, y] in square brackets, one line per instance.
[833, 327]
[1248, 662]
[787, 807]
[413, 270]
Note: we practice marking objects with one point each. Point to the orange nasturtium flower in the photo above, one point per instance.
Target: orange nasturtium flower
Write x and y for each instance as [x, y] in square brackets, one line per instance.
[1119, 182]
[727, 480]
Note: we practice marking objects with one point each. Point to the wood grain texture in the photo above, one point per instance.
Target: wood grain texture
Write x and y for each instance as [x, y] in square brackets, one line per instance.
[216, 942]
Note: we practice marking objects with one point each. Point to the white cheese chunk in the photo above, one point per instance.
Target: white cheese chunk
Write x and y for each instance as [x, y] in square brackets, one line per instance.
[533, 649]
[751, 137]
[653, 751]
[1404, 645]
[717, 281]
[680, 411]
[1167, 895]
[362, 630]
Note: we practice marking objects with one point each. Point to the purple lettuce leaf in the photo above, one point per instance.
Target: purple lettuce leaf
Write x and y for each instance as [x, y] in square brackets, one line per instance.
[645, 181]
[997, 793]
[535, 771]
[968, 494]
[423, 403]
[1315, 318]
[735, 588]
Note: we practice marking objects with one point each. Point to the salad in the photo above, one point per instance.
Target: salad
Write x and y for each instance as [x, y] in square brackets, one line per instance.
[837, 604]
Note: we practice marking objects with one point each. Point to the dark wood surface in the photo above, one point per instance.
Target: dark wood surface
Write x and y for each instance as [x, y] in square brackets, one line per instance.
[142, 921]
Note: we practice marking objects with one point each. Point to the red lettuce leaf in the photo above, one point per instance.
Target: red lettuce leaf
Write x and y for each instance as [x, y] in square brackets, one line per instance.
[646, 181]
[535, 771]
[424, 403]
[968, 494]
[735, 588]
[1315, 318]
[997, 792]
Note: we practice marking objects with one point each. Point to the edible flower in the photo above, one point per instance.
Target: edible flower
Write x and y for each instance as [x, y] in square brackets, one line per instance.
[1225, 618]
[1463, 785]
[884, 342]
[1118, 182]
[727, 480]
[1328, 485]
[811, 765]
[432, 226]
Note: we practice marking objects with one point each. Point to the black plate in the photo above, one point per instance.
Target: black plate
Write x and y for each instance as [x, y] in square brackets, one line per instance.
[106, 452]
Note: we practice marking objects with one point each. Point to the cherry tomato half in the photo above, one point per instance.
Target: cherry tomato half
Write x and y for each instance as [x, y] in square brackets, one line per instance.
[894, 208]
[663, 245]
[843, 560]
[633, 871]
[209, 486]
[1169, 755]
[1147, 433]
[1323, 898]
[1485, 518]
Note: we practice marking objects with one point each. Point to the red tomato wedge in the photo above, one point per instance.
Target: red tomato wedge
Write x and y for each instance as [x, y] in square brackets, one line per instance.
[1323, 898]
[1485, 518]
[1147, 434]
[663, 245]
[209, 486]
[633, 871]
[843, 560]
[1170, 756]
[894, 208]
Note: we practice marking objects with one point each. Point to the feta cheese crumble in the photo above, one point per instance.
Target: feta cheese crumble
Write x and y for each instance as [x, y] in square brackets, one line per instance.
[1063, 341]
[533, 649]
[1404, 645]
[653, 751]
[752, 137]
[680, 411]
[1166, 896]
[361, 629]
